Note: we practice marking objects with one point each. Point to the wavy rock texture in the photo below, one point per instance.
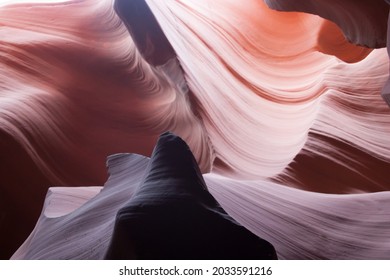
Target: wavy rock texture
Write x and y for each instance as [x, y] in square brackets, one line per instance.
[275, 103]
[301, 224]
[386, 88]
[171, 215]
[364, 22]
[55, 236]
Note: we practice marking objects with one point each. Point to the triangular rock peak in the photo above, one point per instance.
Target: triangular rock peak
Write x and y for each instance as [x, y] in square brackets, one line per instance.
[173, 216]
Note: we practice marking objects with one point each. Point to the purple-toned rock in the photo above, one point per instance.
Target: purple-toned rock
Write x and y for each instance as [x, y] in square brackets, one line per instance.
[173, 216]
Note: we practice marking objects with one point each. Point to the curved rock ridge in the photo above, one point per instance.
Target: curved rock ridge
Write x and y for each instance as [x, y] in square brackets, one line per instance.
[332, 41]
[150, 40]
[265, 96]
[172, 215]
[59, 202]
[55, 83]
[386, 89]
[308, 225]
[363, 22]
[85, 232]
[258, 83]
[300, 224]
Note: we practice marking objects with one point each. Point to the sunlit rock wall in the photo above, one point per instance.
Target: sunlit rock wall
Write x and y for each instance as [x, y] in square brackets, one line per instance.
[276, 102]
